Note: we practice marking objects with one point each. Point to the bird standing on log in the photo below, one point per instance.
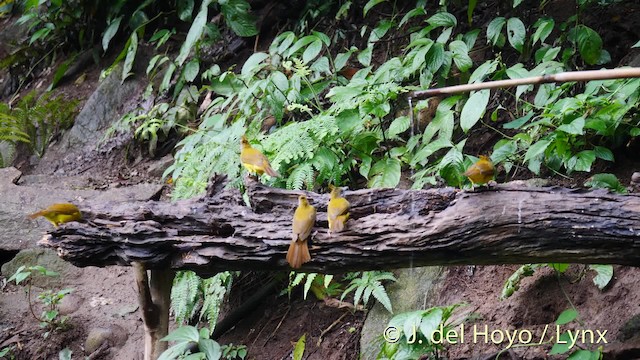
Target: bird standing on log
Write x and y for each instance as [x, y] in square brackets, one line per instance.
[59, 213]
[337, 210]
[303, 220]
[254, 160]
[481, 172]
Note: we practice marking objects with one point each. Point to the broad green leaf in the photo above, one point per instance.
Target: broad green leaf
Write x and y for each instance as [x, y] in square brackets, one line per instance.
[191, 70]
[398, 126]
[110, 32]
[183, 333]
[443, 19]
[536, 149]
[582, 161]
[364, 57]
[166, 79]
[473, 109]
[411, 14]
[566, 317]
[605, 274]
[518, 123]
[461, 55]
[488, 68]
[369, 5]
[470, 8]
[253, 64]
[237, 14]
[503, 151]
[603, 153]
[543, 27]
[312, 51]
[562, 346]
[131, 55]
[385, 173]
[341, 60]
[606, 181]
[430, 321]
[589, 44]
[576, 127]
[194, 34]
[584, 355]
[516, 33]
[210, 348]
[298, 350]
[494, 29]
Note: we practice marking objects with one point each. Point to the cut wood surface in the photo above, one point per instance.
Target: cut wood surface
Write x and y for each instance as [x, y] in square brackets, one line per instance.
[389, 228]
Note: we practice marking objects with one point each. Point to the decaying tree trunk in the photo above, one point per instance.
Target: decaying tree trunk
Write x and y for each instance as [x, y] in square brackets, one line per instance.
[389, 228]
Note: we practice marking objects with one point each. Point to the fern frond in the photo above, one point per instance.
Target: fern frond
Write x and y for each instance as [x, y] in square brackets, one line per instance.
[184, 293]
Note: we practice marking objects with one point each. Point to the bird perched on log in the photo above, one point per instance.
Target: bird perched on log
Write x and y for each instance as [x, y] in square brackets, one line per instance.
[59, 213]
[481, 172]
[337, 210]
[254, 160]
[303, 220]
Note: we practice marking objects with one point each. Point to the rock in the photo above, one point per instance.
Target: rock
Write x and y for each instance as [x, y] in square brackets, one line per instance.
[157, 168]
[114, 335]
[70, 304]
[635, 178]
[49, 260]
[413, 291]
[630, 329]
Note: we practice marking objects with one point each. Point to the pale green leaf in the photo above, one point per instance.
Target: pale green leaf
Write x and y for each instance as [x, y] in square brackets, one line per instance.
[473, 109]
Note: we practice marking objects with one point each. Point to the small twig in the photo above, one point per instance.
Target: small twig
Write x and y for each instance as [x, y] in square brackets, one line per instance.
[333, 324]
[99, 351]
[543, 79]
[277, 327]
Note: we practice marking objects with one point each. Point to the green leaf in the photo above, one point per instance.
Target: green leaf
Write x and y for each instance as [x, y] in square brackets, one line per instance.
[237, 15]
[430, 321]
[566, 317]
[411, 14]
[110, 32]
[584, 355]
[370, 4]
[298, 350]
[536, 149]
[562, 346]
[341, 60]
[210, 348]
[185, 9]
[166, 79]
[473, 109]
[488, 68]
[398, 126]
[589, 44]
[604, 275]
[603, 153]
[65, 354]
[516, 33]
[606, 181]
[544, 27]
[183, 333]
[443, 19]
[194, 34]
[576, 127]
[470, 8]
[312, 51]
[364, 57]
[131, 55]
[461, 55]
[191, 70]
[518, 123]
[252, 65]
[582, 161]
[494, 30]
[385, 173]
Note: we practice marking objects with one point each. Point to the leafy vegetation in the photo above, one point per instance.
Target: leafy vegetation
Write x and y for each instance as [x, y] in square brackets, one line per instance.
[413, 334]
[193, 342]
[35, 122]
[50, 319]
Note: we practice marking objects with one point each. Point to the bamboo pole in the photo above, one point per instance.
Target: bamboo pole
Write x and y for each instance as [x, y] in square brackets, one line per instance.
[606, 74]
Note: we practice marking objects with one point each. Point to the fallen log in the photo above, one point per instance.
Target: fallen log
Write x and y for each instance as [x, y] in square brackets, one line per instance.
[389, 228]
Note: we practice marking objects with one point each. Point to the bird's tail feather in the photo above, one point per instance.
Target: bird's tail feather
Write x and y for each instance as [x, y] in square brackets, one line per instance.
[298, 254]
[269, 171]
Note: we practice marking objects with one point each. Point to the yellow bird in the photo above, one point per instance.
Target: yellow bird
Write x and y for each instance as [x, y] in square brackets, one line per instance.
[337, 210]
[254, 160]
[59, 213]
[481, 172]
[303, 220]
